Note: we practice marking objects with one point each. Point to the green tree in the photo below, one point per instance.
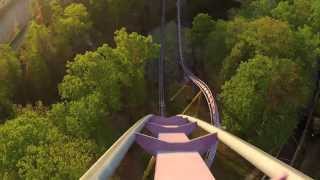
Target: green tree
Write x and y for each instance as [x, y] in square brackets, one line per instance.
[315, 15]
[34, 56]
[101, 82]
[17, 134]
[255, 39]
[307, 48]
[10, 74]
[48, 46]
[96, 71]
[134, 50]
[80, 118]
[296, 13]
[202, 25]
[264, 95]
[71, 27]
[252, 9]
[218, 46]
[299, 13]
[32, 147]
[67, 158]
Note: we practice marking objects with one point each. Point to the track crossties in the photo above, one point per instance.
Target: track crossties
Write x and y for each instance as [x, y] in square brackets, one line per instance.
[177, 157]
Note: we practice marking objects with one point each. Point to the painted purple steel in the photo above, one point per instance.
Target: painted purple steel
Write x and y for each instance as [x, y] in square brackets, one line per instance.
[177, 157]
[180, 165]
[174, 120]
[155, 129]
[154, 146]
[214, 113]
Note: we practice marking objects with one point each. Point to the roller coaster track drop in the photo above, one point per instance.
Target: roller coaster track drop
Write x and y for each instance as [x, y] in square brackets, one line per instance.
[177, 157]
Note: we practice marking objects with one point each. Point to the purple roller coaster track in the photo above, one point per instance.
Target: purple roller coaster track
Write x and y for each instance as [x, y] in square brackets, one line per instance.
[177, 157]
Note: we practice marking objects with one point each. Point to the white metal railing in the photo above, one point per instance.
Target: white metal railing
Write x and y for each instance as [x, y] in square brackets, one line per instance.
[105, 166]
[266, 163]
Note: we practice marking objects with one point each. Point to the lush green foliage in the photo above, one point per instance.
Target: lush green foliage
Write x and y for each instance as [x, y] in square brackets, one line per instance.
[67, 158]
[299, 13]
[263, 61]
[296, 12]
[264, 96]
[10, 77]
[32, 147]
[33, 56]
[255, 38]
[96, 84]
[202, 25]
[61, 143]
[48, 47]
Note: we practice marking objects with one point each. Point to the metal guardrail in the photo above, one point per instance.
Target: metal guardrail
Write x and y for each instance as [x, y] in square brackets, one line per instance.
[269, 165]
[105, 166]
[272, 167]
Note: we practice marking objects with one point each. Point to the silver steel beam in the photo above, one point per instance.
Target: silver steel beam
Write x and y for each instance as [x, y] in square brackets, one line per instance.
[269, 165]
[110, 160]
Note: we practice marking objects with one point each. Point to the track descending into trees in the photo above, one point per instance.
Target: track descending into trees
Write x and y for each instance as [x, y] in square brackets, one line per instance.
[162, 105]
[176, 156]
[214, 113]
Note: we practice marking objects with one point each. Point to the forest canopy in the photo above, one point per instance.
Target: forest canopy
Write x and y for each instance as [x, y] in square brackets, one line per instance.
[85, 72]
[92, 91]
[264, 63]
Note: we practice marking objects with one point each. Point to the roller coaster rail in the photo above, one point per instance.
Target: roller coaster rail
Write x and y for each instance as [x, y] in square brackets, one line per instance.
[172, 142]
[162, 105]
[105, 166]
[272, 167]
[204, 88]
